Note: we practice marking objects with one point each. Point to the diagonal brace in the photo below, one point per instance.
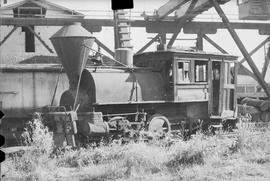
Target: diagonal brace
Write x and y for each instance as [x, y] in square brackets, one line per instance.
[242, 48]
[214, 44]
[149, 43]
[104, 47]
[8, 35]
[257, 48]
[181, 24]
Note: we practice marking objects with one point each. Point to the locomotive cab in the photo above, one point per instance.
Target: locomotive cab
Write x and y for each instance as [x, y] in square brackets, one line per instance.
[197, 77]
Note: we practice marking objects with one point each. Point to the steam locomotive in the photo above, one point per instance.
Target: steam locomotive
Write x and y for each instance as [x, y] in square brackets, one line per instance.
[162, 91]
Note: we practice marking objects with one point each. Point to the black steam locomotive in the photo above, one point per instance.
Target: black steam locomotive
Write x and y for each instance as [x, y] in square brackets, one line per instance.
[163, 91]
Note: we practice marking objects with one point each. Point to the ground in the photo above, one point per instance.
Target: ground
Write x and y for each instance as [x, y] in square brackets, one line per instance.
[243, 157]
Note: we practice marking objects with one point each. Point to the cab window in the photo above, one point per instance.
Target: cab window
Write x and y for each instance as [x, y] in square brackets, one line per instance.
[183, 72]
[200, 71]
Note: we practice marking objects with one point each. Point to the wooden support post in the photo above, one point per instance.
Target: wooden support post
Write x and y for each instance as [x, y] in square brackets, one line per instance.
[181, 23]
[256, 48]
[174, 36]
[199, 42]
[265, 66]
[104, 47]
[39, 38]
[242, 48]
[162, 43]
[148, 44]
[214, 44]
[8, 35]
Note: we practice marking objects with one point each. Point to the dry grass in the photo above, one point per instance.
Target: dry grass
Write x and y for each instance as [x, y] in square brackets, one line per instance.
[246, 157]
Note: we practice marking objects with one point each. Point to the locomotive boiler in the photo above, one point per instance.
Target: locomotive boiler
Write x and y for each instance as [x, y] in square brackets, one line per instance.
[163, 91]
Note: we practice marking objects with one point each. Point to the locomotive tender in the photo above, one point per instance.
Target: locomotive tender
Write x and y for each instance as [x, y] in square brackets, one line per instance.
[160, 91]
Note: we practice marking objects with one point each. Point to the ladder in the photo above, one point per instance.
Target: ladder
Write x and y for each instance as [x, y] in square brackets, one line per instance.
[121, 30]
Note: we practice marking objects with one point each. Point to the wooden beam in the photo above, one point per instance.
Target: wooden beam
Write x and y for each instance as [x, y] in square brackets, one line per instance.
[199, 42]
[265, 66]
[39, 38]
[8, 35]
[174, 36]
[181, 23]
[214, 44]
[242, 48]
[169, 7]
[149, 43]
[200, 5]
[94, 25]
[256, 48]
[104, 47]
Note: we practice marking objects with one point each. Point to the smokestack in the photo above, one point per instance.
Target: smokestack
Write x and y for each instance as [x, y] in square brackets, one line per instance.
[71, 45]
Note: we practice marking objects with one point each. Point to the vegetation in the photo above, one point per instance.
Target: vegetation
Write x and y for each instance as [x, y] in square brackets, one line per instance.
[242, 157]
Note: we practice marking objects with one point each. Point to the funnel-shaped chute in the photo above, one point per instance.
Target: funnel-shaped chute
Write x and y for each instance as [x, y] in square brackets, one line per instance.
[72, 44]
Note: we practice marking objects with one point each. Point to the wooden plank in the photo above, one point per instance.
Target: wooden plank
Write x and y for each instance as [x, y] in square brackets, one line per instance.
[229, 86]
[169, 7]
[210, 88]
[235, 88]
[192, 71]
[221, 87]
[192, 86]
[198, 8]
[95, 25]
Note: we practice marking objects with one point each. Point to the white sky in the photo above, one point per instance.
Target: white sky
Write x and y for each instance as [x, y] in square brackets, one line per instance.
[250, 38]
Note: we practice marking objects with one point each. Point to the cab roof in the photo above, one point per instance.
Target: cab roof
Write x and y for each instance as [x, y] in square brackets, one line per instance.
[179, 53]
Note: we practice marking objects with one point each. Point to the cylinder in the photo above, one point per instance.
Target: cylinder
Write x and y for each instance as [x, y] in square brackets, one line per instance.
[125, 56]
[95, 130]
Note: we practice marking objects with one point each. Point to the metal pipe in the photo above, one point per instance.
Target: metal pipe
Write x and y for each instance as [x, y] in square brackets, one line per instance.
[79, 82]
[56, 85]
[124, 114]
[241, 47]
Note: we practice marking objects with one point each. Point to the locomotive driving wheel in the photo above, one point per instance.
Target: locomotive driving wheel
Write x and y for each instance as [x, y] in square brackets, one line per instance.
[159, 124]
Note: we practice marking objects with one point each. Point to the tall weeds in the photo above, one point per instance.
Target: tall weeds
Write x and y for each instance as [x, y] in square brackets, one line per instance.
[132, 160]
